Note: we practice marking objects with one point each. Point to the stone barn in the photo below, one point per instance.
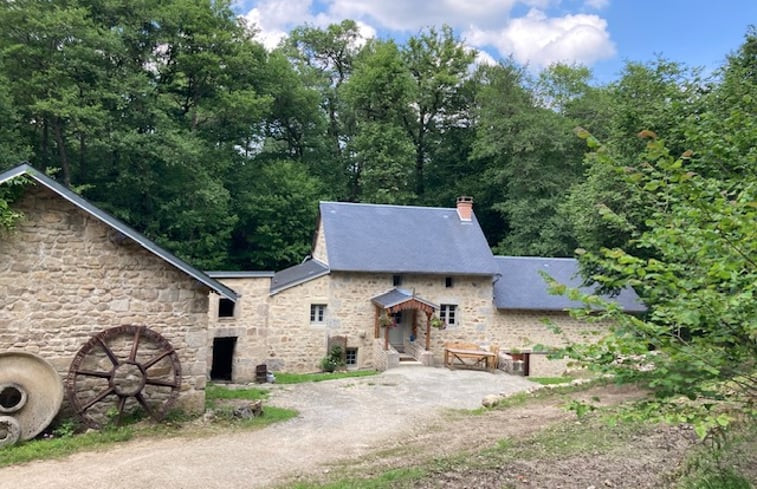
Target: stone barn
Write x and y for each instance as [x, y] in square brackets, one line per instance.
[69, 270]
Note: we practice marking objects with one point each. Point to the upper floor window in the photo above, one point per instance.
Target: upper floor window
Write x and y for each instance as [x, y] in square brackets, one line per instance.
[225, 308]
[448, 282]
[448, 314]
[396, 280]
[317, 313]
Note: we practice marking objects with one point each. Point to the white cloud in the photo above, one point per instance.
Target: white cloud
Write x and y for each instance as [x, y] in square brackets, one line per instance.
[403, 15]
[596, 4]
[540, 40]
[484, 58]
[273, 19]
[535, 38]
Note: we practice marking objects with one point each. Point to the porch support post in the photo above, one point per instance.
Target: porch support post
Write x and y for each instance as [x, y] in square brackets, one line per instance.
[415, 323]
[376, 322]
[428, 330]
[386, 338]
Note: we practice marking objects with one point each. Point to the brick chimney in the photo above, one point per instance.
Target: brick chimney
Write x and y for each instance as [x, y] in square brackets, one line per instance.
[465, 208]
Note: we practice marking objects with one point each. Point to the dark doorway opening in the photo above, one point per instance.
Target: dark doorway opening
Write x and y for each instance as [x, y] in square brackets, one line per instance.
[223, 355]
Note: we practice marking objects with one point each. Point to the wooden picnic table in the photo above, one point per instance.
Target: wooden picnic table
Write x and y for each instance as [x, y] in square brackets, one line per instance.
[458, 356]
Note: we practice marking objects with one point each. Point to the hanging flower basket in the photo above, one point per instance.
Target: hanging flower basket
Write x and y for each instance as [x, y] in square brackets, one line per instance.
[438, 324]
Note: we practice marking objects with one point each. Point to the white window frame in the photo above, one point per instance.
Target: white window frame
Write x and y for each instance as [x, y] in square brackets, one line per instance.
[449, 314]
[317, 313]
[348, 353]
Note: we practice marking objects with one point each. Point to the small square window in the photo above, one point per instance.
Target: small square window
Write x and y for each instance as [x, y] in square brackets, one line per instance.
[396, 280]
[225, 308]
[350, 357]
[448, 314]
[448, 282]
[317, 313]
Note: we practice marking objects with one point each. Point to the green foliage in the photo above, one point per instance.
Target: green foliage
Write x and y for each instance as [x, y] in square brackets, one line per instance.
[696, 348]
[727, 465]
[9, 192]
[334, 360]
[277, 205]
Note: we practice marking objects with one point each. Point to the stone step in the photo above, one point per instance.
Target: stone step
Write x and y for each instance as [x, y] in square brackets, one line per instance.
[410, 362]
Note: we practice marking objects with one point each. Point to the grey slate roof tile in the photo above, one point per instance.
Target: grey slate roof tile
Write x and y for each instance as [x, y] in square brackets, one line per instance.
[298, 274]
[403, 239]
[398, 296]
[520, 285]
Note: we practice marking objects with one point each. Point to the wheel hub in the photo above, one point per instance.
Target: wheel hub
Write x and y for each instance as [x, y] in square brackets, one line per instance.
[128, 379]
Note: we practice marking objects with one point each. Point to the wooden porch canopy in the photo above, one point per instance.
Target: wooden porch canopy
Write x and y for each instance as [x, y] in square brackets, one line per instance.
[397, 300]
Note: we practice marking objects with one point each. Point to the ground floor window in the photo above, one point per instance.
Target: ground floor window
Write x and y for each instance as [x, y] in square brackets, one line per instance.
[448, 314]
[317, 313]
[350, 358]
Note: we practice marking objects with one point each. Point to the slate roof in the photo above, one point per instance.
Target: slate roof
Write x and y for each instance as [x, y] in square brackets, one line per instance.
[520, 285]
[403, 239]
[119, 226]
[298, 274]
[398, 296]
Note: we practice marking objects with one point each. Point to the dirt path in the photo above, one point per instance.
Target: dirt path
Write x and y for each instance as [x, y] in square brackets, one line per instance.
[338, 419]
[371, 424]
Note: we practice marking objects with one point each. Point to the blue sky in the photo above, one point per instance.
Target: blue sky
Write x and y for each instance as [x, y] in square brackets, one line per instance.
[601, 34]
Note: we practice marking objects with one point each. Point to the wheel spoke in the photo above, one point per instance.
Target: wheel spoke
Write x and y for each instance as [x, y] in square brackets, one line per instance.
[135, 346]
[163, 383]
[98, 398]
[143, 402]
[108, 352]
[121, 404]
[92, 373]
[156, 359]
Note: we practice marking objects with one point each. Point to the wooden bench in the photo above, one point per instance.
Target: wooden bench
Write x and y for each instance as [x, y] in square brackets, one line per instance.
[467, 355]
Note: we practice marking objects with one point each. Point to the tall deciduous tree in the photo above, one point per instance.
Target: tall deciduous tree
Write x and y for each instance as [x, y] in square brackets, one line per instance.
[696, 349]
[533, 157]
[439, 63]
[324, 58]
[378, 94]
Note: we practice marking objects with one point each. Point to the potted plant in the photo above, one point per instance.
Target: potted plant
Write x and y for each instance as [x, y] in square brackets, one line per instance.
[517, 355]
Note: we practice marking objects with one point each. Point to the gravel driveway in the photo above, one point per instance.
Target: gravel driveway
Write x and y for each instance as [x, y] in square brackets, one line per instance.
[338, 419]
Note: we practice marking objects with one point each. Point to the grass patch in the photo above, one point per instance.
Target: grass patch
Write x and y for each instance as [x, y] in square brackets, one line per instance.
[214, 392]
[551, 380]
[60, 447]
[65, 441]
[395, 479]
[285, 378]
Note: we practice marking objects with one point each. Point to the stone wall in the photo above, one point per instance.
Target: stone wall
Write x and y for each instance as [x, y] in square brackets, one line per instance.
[293, 343]
[319, 249]
[525, 329]
[249, 325]
[65, 276]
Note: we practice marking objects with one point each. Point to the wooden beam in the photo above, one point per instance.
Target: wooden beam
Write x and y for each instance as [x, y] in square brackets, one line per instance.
[386, 338]
[428, 331]
[376, 322]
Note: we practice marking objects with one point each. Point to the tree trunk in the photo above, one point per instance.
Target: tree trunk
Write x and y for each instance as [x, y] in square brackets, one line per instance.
[62, 152]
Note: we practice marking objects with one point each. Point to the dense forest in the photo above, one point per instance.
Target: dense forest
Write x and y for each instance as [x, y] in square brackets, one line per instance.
[173, 117]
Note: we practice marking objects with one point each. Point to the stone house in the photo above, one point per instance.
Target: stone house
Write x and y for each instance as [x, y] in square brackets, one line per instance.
[70, 270]
[378, 278]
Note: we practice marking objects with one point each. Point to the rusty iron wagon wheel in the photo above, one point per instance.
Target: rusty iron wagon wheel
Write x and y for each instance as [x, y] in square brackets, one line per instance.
[121, 370]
